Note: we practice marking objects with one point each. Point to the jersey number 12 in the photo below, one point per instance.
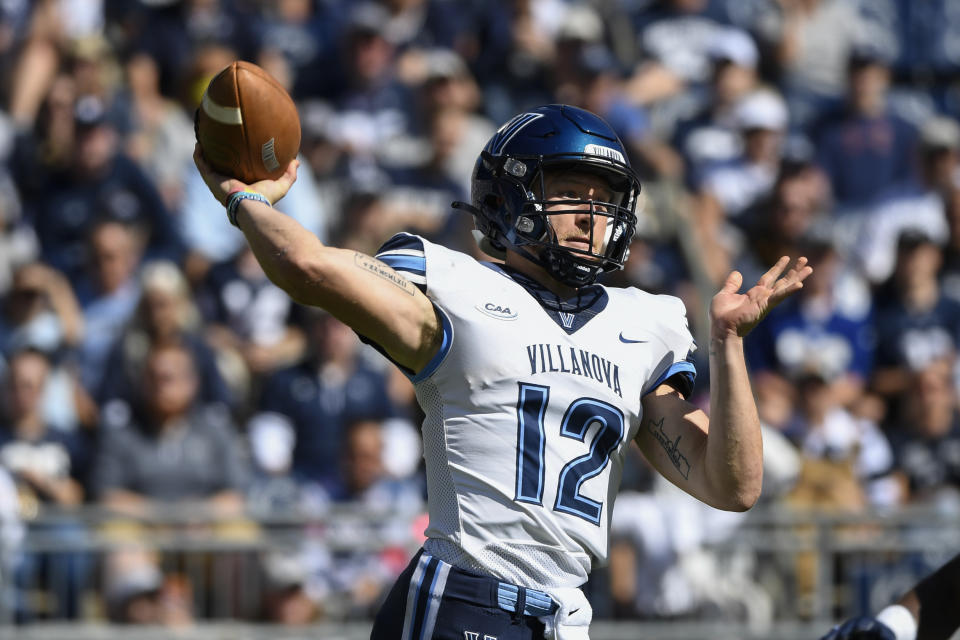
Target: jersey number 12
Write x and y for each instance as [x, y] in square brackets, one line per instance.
[531, 409]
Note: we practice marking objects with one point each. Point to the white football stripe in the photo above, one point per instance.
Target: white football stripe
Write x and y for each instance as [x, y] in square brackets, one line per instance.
[223, 115]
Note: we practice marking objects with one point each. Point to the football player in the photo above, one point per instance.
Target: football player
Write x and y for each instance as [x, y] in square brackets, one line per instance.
[929, 611]
[534, 379]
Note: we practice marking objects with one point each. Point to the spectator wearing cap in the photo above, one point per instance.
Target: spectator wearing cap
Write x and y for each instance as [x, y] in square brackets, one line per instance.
[916, 323]
[97, 181]
[864, 148]
[713, 135]
[727, 189]
[919, 205]
[447, 85]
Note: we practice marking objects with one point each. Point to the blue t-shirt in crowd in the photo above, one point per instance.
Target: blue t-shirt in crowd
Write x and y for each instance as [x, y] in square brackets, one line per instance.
[321, 412]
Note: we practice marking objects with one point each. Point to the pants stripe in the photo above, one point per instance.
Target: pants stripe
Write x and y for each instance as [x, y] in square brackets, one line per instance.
[433, 606]
[427, 568]
[412, 594]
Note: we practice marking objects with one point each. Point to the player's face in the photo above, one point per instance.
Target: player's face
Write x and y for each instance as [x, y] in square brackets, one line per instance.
[562, 191]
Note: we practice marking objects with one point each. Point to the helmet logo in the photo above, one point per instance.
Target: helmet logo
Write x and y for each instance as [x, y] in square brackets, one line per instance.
[511, 128]
[605, 152]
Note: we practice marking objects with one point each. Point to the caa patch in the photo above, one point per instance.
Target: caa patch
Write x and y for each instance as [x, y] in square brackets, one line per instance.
[500, 312]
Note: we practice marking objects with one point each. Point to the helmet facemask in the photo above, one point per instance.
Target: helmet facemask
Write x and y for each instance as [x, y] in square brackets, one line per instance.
[530, 216]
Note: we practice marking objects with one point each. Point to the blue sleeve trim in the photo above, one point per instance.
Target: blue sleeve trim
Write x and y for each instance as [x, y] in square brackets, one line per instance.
[413, 264]
[447, 328]
[686, 377]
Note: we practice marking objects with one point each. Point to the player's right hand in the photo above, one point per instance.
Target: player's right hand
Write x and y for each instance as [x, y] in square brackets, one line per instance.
[220, 185]
[861, 628]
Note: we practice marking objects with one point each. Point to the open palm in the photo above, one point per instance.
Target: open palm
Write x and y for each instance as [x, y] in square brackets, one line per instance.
[734, 313]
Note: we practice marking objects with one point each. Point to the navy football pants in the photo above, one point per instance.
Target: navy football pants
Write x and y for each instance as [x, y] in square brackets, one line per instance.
[432, 600]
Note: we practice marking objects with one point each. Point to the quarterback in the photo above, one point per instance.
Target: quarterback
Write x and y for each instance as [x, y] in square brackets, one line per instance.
[534, 379]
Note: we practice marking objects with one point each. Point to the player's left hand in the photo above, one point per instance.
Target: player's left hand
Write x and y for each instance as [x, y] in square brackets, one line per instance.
[735, 314]
[862, 628]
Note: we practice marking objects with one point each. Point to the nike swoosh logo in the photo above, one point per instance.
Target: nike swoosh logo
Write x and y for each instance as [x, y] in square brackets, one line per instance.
[628, 340]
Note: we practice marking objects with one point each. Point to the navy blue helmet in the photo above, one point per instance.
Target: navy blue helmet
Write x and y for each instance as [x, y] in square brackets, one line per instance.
[508, 200]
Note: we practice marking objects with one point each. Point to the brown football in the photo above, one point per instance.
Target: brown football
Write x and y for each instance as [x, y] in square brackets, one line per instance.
[247, 124]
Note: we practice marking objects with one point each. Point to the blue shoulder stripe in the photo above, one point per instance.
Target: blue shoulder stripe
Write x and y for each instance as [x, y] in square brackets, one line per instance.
[413, 264]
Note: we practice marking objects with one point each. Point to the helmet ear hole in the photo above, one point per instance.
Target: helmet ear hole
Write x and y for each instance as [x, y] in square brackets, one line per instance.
[493, 201]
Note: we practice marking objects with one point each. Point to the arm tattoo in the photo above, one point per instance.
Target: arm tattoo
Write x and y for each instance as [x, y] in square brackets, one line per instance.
[381, 270]
[671, 447]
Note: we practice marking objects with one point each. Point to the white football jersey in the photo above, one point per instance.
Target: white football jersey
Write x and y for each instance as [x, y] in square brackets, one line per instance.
[530, 408]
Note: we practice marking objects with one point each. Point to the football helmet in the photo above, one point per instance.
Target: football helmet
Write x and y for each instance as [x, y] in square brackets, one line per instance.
[510, 206]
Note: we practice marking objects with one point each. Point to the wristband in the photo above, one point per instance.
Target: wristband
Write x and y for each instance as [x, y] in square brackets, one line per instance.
[900, 621]
[234, 200]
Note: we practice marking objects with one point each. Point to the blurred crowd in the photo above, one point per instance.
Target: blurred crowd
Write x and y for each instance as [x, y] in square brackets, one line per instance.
[147, 362]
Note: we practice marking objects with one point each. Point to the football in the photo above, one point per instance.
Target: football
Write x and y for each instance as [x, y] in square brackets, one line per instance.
[247, 124]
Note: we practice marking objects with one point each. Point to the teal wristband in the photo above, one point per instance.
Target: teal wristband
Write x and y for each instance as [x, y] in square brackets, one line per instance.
[234, 200]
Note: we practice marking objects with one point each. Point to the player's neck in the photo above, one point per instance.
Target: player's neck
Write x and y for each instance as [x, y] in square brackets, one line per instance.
[538, 273]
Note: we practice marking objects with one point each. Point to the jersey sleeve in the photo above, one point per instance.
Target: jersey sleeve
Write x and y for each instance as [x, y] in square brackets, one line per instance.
[676, 365]
[406, 254]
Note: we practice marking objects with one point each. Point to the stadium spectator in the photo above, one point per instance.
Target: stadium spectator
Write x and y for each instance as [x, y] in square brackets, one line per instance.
[160, 131]
[864, 148]
[917, 205]
[108, 295]
[321, 395]
[674, 37]
[97, 180]
[350, 584]
[171, 447]
[41, 312]
[823, 429]
[727, 189]
[50, 469]
[447, 84]
[813, 41]
[926, 433]
[713, 133]
[950, 271]
[247, 315]
[165, 315]
[916, 323]
[825, 329]
[18, 240]
[171, 456]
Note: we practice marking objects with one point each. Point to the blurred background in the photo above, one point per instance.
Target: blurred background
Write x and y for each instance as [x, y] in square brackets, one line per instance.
[183, 448]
